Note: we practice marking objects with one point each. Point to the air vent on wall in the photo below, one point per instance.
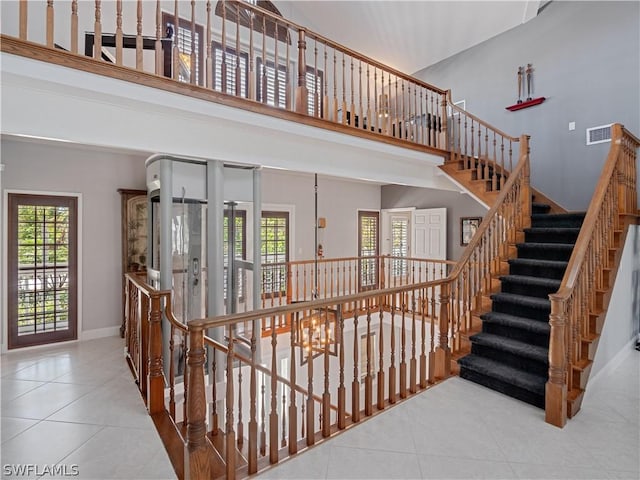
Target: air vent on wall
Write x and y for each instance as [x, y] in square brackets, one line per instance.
[599, 134]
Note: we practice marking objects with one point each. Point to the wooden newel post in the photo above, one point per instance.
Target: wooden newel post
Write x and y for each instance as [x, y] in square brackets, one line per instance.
[196, 459]
[302, 93]
[443, 352]
[525, 193]
[556, 387]
[155, 377]
[444, 120]
[619, 176]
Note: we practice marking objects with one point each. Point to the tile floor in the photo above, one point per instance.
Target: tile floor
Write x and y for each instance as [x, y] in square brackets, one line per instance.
[77, 405]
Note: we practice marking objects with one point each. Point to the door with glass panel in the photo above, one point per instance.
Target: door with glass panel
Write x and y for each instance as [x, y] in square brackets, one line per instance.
[42, 269]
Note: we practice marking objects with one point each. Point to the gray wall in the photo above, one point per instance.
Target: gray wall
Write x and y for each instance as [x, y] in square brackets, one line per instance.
[96, 174]
[587, 65]
[457, 205]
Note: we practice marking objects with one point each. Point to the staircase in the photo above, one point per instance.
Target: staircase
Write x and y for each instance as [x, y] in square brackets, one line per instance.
[511, 352]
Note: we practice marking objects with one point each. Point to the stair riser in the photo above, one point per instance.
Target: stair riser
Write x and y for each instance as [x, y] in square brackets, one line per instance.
[565, 221]
[539, 253]
[520, 334]
[537, 209]
[502, 387]
[519, 310]
[536, 271]
[545, 237]
[538, 291]
[511, 359]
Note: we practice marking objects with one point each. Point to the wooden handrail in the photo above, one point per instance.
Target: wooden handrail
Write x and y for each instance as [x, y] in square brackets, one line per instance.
[580, 294]
[523, 164]
[481, 122]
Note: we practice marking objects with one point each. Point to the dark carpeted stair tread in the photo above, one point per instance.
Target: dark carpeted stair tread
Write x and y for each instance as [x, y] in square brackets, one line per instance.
[505, 373]
[513, 321]
[512, 346]
[529, 285]
[552, 234]
[557, 219]
[528, 280]
[535, 267]
[540, 207]
[539, 263]
[545, 251]
[532, 302]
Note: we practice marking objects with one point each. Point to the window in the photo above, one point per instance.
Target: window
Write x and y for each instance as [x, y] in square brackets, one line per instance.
[399, 244]
[240, 246]
[274, 235]
[42, 269]
[314, 80]
[184, 39]
[368, 246]
[230, 58]
[276, 93]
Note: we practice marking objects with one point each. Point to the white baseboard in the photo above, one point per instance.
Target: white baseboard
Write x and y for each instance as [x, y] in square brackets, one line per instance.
[100, 333]
[614, 363]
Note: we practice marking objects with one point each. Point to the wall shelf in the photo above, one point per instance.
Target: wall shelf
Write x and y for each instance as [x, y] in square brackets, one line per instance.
[527, 104]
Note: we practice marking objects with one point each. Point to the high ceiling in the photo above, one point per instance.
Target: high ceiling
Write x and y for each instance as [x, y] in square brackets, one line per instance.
[408, 35]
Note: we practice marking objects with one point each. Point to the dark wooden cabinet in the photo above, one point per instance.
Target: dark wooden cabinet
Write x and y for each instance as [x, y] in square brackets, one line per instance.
[134, 236]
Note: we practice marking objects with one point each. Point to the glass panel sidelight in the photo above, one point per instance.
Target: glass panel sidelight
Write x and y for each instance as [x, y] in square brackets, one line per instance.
[42, 269]
[368, 246]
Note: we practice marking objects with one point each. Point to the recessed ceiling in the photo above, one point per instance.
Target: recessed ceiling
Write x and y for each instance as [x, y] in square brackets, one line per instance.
[408, 35]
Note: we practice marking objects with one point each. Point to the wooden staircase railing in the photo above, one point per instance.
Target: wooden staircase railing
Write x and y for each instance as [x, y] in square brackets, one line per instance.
[579, 307]
[318, 81]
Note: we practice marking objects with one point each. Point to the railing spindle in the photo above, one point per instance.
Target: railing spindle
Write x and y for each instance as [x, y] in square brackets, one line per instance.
[74, 26]
[355, 385]
[139, 49]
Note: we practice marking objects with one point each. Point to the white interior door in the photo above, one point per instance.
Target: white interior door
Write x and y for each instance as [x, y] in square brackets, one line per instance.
[430, 233]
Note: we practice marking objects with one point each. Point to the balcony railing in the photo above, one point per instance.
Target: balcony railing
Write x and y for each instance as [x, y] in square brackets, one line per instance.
[238, 50]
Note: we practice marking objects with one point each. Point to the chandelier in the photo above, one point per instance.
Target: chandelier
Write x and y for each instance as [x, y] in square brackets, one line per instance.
[315, 334]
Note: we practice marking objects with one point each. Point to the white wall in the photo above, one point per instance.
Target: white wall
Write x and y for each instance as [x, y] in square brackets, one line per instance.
[622, 323]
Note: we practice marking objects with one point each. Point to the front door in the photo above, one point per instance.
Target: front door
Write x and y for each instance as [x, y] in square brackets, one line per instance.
[42, 269]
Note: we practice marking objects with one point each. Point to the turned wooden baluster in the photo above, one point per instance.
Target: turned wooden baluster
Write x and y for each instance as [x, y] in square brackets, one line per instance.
[369, 112]
[265, 78]
[74, 26]
[139, 58]
[230, 434]
[310, 405]
[273, 415]
[172, 374]
[403, 348]
[334, 101]
[392, 361]
[376, 108]
[50, 23]
[326, 396]
[355, 385]
[276, 66]
[360, 123]
[317, 84]
[209, 53]
[341, 387]
[283, 441]
[432, 334]
[326, 114]
[344, 93]
[293, 410]
[302, 430]
[302, 93]
[352, 107]
[368, 380]
[214, 418]
[238, 72]
[23, 14]
[240, 425]
[443, 352]
[403, 118]
[97, 30]
[424, 311]
[263, 433]
[155, 384]
[252, 81]
[176, 49]
[381, 398]
[196, 456]
[413, 365]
